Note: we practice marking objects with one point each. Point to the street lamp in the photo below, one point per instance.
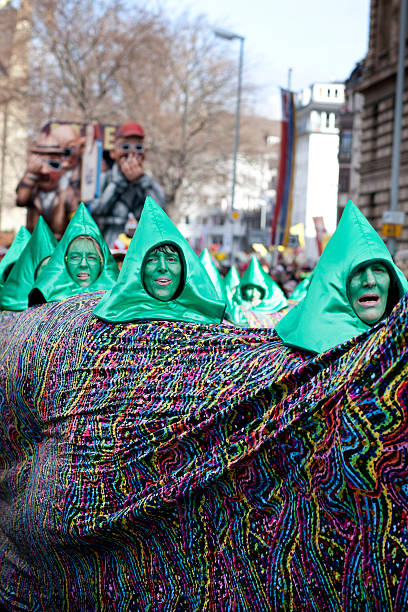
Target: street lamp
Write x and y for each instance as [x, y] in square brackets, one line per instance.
[232, 36]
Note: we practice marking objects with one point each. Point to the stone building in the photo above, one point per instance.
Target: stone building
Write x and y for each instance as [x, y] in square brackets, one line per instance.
[15, 35]
[378, 86]
[349, 124]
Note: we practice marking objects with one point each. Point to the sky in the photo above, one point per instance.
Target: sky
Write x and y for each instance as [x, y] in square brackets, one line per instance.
[320, 40]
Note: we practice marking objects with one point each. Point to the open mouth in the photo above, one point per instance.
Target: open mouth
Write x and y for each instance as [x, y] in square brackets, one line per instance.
[163, 280]
[83, 275]
[369, 299]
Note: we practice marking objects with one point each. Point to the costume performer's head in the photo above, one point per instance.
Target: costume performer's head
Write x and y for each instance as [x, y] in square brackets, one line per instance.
[80, 263]
[161, 277]
[354, 286]
[259, 291]
[13, 253]
[33, 259]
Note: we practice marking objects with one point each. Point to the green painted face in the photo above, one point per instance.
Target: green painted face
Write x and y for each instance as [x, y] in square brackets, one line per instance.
[369, 292]
[162, 274]
[253, 294]
[41, 265]
[83, 261]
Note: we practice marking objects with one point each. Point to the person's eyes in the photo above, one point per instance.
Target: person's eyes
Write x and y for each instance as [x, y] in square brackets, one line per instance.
[92, 257]
[171, 259]
[379, 269]
[74, 258]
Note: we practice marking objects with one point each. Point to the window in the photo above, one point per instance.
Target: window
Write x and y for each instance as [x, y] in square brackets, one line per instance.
[344, 180]
[346, 140]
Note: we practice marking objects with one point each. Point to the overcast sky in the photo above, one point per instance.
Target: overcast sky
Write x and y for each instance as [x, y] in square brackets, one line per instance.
[321, 40]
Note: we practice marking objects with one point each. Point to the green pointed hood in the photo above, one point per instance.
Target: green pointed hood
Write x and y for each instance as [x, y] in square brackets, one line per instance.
[325, 317]
[14, 252]
[232, 280]
[197, 302]
[274, 299]
[14, 294]
[213, 273]
[56, 284]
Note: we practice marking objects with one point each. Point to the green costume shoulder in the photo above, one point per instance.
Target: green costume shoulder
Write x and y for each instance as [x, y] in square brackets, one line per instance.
[14, 252]
[14, 294]
[56, 283]
[325, 317]
[300, 290]
[196, 302]
[273, 297]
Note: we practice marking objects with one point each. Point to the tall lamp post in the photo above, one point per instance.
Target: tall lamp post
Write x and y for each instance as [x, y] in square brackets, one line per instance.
[232, 36]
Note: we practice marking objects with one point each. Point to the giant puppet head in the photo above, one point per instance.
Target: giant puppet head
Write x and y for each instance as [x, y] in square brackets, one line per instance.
[71, 144]
[46, 162]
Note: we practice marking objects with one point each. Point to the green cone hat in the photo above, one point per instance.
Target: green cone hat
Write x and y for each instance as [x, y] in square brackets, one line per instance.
[325, 317]
[232, 281]
[14, 295]
[214, 274]
[197, 300]
[56, 283]
[274, 299]
[14, 252]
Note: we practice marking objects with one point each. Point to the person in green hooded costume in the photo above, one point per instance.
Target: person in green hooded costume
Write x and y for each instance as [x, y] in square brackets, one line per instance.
[81, 263]
[259, 291]
[232, 282]
[161, 278]
[38, 250]
[16, 248]
[355, 285]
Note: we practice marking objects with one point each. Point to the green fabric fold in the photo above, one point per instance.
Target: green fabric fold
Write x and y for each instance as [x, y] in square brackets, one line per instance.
[57, 284]
[325, 317]
[14, 252]
[14, 294]
[196, 302]
[214, 274]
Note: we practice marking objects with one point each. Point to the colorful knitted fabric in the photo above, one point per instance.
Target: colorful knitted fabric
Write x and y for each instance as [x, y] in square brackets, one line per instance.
[258, 319]
[172, 466]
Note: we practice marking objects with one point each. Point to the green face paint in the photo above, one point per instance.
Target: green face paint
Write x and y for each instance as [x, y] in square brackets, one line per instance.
[252, 293]
[162, 274]
[83, 261]
[369, 292]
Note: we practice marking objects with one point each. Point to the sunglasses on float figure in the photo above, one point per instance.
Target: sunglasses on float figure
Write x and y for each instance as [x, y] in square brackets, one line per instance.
[54, 164]
[126, 147]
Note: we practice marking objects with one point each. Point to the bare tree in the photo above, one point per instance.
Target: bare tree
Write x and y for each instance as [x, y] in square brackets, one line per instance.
[79, 47]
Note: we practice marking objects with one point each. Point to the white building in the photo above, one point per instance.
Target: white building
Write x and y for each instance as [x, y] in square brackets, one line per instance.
[317, 166]
[208, 220]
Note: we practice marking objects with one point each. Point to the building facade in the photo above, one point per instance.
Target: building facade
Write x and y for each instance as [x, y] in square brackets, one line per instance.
[317, 165]
[378, 86]
[350, 133]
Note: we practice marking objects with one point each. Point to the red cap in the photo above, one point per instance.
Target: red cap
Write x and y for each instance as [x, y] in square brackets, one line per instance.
[131, 128]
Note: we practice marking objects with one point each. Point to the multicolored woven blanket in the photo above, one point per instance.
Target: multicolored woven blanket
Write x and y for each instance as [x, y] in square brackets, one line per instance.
[169, 466]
